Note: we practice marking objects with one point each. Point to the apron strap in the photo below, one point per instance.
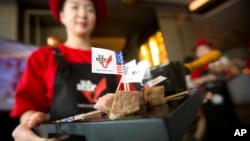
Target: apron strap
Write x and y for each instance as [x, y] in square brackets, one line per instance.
[63, 66]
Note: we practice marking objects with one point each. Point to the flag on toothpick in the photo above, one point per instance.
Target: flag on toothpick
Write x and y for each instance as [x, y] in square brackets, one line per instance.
[130, 65]
[119, 63]
[107, 61]
[135, 72]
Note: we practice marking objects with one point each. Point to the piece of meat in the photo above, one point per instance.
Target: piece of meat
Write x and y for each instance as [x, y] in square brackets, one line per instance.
[104, 103]
[126, 103]
[154, 95]
[158, 111]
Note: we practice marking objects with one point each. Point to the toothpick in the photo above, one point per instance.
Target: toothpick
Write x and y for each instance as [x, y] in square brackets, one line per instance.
[118, 87]
[177, 94]
[128, 86]
[125, 82]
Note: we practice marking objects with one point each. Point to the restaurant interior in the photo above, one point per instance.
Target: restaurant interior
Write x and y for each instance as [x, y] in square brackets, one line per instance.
[158, 31]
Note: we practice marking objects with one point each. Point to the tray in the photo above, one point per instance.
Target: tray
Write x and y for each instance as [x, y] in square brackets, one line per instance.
[170, 124]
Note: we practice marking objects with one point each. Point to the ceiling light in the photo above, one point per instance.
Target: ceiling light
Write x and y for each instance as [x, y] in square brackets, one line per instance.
[196, 4]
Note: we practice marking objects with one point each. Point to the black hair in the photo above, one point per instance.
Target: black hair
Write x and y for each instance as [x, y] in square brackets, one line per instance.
[188, 59]
[61, 4]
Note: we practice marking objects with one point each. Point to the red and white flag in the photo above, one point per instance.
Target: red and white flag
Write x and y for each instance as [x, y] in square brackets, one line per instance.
[107, 61]
[119, 63]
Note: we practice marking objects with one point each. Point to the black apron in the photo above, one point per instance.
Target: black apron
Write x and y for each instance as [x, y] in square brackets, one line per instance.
[76, 88]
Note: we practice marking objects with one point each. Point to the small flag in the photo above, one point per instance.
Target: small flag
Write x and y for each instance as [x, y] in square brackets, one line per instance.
[156, 81]
[135, 73]
[107, 61]
[130, 65]
[145, 68]
[119, 63]
[103, 61]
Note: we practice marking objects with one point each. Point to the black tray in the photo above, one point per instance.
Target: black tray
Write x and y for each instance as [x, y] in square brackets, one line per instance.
[169, 125]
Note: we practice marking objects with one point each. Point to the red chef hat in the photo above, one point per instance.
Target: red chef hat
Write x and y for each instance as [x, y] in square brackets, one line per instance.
[100, 6]
[200, 42]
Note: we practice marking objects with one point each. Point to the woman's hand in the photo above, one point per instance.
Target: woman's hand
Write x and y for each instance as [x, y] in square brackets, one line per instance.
[207, 97]
[204, 79]
[29, 120]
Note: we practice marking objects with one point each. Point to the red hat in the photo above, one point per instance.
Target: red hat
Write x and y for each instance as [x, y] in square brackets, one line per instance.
[200, 42]
[100, 6]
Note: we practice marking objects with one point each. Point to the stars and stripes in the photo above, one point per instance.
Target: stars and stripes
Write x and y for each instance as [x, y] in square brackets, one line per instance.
[110, 62]
[119, 63]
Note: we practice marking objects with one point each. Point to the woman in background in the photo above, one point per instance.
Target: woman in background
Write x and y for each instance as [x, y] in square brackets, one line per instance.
[217, 116]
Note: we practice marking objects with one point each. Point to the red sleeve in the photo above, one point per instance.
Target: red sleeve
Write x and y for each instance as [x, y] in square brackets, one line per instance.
[198, 73]
[30, 92]
[195, 74]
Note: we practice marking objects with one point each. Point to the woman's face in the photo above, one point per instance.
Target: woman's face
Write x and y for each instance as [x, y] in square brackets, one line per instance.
[202, 50]
[78, 16]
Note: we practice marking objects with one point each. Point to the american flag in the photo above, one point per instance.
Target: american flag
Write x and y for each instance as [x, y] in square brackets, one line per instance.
[119, 63]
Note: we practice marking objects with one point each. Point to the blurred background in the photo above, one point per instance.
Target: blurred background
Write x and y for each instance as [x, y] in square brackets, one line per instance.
[159, 31]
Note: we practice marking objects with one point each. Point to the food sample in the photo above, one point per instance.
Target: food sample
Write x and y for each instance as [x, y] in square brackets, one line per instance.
[158, 111]
[104, 103]
[154, 95]
[126, 103]
[133, 103]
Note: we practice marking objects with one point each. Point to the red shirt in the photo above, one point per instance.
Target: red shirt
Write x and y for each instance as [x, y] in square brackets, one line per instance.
[35, 89]
[199, 72]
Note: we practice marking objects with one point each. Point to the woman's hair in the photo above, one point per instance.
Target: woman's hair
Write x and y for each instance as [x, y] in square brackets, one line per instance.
[61, 5]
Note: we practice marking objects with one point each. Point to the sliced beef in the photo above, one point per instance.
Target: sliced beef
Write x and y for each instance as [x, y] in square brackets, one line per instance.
[104, 103]
[154, 95]
[126, 103]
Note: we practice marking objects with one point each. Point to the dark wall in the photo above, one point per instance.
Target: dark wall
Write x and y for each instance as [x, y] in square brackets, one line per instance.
[227, 28]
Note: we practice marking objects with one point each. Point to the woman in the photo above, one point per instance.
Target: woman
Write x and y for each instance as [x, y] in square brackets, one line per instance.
[200, 76]
[220, 106]
[50, 83]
